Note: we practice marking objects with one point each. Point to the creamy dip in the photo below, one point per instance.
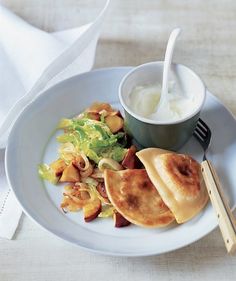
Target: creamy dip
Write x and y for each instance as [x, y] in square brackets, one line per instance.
[143, 100]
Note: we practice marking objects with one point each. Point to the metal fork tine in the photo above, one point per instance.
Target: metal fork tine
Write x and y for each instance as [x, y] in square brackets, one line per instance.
[201, 133]
[199, 138]
[200, 126]
[203, 123]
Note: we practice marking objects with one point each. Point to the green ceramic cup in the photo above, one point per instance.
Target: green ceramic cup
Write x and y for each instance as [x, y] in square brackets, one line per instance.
[150, 133]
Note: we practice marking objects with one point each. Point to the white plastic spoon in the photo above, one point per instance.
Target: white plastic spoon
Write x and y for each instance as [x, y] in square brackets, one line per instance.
[167, 64]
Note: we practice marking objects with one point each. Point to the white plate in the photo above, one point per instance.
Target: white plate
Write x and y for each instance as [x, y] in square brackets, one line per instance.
[31, 142]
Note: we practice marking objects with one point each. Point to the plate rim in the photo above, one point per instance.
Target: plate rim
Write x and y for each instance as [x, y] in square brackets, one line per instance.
[58, 235]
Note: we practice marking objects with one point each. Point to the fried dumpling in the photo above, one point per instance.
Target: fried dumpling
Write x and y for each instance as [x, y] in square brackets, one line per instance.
[178, 179]
[134, 196]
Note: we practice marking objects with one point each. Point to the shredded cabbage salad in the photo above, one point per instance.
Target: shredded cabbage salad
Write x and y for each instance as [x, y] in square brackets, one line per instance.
[90, 142]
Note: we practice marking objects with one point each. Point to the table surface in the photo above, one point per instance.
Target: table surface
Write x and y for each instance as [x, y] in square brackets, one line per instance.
[135, 32]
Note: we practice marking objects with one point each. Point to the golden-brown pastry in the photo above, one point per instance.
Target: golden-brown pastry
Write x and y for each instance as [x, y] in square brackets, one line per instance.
[133, 195]
[178, 179]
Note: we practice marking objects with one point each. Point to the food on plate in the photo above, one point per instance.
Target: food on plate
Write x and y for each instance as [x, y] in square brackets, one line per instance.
[178, 179]
[70, 174]
[102, 191]
[105, 176]
[119, 220]
[92, 210]
[130, 160]
[58, 167]
[144, 99]
[133, 195]
[91, 142]
[114, 122]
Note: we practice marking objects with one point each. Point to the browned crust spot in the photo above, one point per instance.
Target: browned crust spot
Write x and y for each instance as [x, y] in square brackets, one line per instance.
[185, 172]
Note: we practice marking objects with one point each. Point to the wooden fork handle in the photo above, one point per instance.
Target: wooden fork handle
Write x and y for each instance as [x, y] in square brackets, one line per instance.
[226, 220]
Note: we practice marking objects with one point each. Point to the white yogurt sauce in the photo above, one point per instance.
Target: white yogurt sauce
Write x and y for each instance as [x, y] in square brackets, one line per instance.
[143, 100]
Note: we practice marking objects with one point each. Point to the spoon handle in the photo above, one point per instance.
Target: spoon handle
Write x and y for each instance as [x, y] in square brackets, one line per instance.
[167, 64]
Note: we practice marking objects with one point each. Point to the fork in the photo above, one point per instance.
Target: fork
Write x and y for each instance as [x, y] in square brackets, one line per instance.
[226, 220]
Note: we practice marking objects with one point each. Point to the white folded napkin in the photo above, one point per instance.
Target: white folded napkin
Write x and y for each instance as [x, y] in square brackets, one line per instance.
[30, 61]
